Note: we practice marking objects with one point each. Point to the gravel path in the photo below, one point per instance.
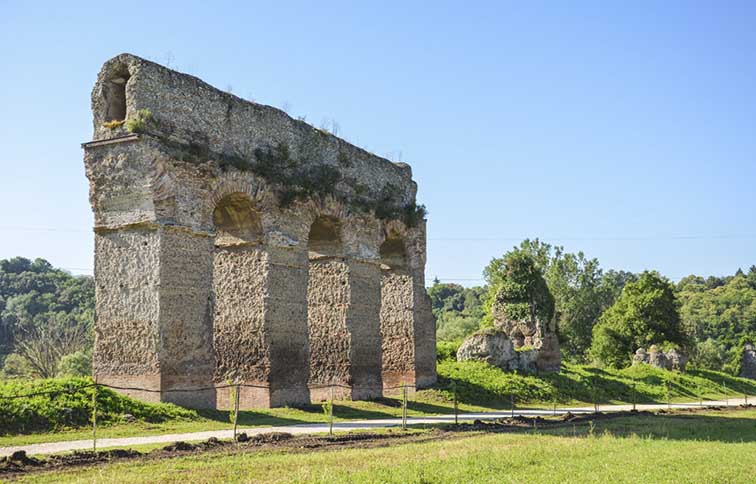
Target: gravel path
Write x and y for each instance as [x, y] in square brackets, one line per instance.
[124, 442]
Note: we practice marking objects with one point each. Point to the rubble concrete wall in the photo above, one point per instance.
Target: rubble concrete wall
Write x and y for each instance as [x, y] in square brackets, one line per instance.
[186, 341]
[127, 334]
[185, 301]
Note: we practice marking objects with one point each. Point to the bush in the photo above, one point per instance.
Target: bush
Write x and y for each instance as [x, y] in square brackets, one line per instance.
[76, 364]
[447, 350]
[70, 405]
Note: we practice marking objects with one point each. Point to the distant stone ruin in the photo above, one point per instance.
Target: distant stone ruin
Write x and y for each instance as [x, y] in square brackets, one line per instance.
[672, 359]
[525, 344]
[748, 369]
[234, 244]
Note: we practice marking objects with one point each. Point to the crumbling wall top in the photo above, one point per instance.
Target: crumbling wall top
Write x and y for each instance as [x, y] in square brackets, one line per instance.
[196, 122]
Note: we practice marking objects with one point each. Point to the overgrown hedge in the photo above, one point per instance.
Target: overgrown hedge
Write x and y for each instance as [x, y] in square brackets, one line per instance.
[70, 406]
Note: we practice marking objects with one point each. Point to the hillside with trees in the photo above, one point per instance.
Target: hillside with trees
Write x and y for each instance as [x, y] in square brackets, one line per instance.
[603, 316]
[46, 317]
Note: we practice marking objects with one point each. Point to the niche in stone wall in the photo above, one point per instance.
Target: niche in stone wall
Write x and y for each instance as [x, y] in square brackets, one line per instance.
[237, 222]
[114, 91]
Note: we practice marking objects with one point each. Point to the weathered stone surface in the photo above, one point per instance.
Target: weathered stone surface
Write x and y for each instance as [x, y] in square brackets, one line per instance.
[530, 333]
[676, 360]
[234, 243]
[749, 362]
[492, 347]
[673, 359]
[640, 356]
[496, 348]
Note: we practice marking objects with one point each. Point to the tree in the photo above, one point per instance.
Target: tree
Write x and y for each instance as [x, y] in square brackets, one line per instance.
[44, 313]
[646, 313]
[43, 346]
[516, 286]
[458, 310]
[723, 313]
[580, 289]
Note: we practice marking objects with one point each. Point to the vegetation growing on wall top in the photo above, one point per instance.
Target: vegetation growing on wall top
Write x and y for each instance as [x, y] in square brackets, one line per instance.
[296, 179]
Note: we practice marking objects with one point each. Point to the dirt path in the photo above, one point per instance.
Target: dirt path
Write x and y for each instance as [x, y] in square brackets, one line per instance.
[126, 442]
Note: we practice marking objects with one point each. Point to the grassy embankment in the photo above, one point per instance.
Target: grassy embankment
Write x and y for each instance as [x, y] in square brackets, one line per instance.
[705, 447]
[66, 416]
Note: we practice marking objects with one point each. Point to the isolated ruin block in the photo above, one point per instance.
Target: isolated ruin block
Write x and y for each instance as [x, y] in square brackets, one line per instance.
[234, 244]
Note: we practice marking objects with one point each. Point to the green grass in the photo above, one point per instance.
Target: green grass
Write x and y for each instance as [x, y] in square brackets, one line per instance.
[55, 404]
[488, 386]
[479, 388]
[690, 448]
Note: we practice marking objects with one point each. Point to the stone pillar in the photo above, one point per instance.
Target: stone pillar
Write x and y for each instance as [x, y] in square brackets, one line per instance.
[363, 324]
[328, 298]
[407, 326]
[397, 328]
[127, 333]
[153, 324]
[286, 326]
[240, 341]
[343, 317]
[186, 331]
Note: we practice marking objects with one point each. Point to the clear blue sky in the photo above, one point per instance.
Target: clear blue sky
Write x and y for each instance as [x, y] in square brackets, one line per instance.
[623, 129]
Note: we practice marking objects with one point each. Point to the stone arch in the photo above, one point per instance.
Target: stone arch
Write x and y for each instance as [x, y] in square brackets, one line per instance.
[393, 253]
[324, 238]
[237, 221]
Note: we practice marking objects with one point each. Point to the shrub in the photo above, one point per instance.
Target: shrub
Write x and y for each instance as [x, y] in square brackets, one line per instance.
[447, 350]
[138, 124]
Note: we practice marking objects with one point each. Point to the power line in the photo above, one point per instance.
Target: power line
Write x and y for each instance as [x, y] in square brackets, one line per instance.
[480, 238]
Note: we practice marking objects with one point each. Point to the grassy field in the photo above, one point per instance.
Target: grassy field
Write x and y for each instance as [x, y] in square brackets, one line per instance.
[713, 447]
[479, 387]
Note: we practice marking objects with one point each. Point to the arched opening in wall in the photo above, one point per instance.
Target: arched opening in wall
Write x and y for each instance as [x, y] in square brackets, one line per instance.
[236, 221]
[324, 238]
[114, 91]
[393, 254]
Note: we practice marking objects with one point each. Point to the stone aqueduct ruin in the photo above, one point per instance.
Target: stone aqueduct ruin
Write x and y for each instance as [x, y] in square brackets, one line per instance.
[236, 244]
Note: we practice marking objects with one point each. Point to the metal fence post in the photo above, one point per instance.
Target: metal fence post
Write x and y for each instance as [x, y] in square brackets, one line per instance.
[404, 406]
[456, 408]
[94, 418]
[511, 402]
[634, 397]
[237, 396]
[669, 401]
[330, 414]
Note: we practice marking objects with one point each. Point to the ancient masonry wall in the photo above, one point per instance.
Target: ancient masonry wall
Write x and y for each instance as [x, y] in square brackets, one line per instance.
[234, 244]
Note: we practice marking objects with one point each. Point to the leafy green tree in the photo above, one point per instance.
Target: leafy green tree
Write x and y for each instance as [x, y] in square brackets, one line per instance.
[645, 313]
[45, 314]
[458, 310]
[720, 309]
[516, 285]
[580, 289]
[707, 355]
